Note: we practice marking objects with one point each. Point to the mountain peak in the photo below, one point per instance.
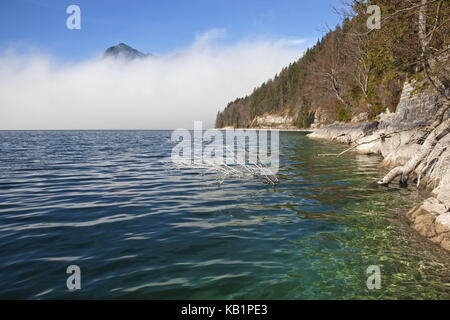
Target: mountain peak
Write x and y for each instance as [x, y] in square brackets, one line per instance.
[124, 51]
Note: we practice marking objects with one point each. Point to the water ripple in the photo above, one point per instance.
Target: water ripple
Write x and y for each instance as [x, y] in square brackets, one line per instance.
[138, 227]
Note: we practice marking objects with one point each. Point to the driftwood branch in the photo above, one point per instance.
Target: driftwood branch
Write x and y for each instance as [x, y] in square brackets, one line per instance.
[238, 169]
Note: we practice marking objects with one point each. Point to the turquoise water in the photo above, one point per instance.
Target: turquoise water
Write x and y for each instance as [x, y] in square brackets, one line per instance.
[109, 202]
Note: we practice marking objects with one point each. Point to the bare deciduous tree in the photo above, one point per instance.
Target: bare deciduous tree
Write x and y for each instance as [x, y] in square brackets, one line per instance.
[433, 59]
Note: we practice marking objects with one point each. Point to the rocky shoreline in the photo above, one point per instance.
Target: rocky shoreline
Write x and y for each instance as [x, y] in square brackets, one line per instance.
[397, 137]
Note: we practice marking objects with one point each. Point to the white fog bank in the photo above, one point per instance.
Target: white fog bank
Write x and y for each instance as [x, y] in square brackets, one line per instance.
[170, 91]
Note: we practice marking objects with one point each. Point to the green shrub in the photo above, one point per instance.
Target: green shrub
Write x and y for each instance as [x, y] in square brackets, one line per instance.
[343, 115]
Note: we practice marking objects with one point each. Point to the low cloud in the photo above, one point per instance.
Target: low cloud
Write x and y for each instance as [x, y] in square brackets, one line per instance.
[170, 91]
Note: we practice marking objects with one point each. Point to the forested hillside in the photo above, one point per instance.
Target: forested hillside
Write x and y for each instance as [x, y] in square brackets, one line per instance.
[354, 71]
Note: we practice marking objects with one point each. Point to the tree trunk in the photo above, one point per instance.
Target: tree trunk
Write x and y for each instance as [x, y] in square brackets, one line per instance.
[427, 147]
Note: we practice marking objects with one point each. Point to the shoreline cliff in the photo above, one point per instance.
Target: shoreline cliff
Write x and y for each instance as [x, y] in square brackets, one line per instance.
[396, 137]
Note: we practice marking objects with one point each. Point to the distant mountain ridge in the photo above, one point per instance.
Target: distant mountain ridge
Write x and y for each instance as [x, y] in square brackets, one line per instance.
[124, 51]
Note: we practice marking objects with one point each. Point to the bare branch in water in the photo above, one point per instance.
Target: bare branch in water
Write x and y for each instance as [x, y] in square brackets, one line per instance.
[239, 169]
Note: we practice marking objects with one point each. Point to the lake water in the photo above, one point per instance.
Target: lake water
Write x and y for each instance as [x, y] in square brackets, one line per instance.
[111, 203]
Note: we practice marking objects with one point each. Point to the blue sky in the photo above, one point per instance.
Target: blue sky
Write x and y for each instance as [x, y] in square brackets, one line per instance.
[155, 26]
